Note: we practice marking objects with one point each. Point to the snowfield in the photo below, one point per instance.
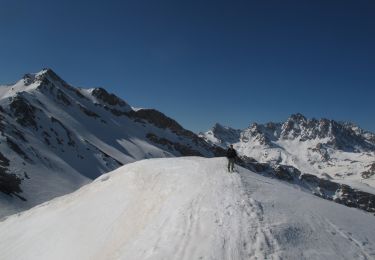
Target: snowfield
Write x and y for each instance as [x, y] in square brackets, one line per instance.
[55, 138]
[187, 208]
[337, 151]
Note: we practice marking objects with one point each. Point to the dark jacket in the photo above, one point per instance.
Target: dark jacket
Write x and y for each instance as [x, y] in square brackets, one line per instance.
[231, 153]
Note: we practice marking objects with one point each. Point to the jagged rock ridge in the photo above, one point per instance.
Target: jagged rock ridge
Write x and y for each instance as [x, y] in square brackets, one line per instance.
[56, 137]
[338, 152]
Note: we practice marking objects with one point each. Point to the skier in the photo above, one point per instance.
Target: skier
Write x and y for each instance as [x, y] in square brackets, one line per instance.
[231, 155]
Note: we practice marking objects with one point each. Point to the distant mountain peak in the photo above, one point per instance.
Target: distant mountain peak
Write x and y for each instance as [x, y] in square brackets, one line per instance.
[48, 125]
[46, 75]
[220, 127]
[344, 136]
[108, 98]
[298, 117]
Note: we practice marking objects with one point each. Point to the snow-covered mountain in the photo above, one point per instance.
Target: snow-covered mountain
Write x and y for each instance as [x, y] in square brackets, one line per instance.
[56, 138]
[187, 208]
[338, 151]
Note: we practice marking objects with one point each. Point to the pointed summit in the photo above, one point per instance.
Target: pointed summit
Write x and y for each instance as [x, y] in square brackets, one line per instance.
[45, 75]
[298, 117]
[49, 74]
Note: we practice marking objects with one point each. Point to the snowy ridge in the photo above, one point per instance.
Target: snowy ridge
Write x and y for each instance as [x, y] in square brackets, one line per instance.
[187, 208]
[56, 138]
[339, 151]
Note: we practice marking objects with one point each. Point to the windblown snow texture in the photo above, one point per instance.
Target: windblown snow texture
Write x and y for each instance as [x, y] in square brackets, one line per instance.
[56, 138]
[187, 208]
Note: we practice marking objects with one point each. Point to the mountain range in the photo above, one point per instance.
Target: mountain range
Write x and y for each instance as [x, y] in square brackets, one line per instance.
[91, 177]
[338, 151]
[55, 138]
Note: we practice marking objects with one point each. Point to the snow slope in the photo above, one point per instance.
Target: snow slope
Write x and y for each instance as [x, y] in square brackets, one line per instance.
[187, 208]
[55, 137]
[339, 151]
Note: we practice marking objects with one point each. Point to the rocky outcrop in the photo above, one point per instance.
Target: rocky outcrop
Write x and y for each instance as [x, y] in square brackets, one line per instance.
[107, 98]
[14, 146]
[321, 149]
[161, 121]
[23, 111]
[88, 112]
[9, 183]
[184, 150]
[370, 172]
[323, 188]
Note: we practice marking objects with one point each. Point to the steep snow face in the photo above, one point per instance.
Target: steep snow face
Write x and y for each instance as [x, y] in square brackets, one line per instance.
[187, 208]
[329, 149]
[222, 135]
[56, 137]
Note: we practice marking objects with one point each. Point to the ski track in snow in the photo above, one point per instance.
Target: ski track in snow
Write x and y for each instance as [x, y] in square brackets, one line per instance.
[186, 209]
[232, 230]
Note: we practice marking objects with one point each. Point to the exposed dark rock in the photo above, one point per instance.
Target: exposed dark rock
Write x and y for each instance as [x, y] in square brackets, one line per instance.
[28, 79]
[9, 183]
[46, 140]
[259, 133]
[63, 97]
[79, 94]
[355, 198]
[162, 121]
[320, 149]
[17, 133]
[284, 172]
[88, 112]
[107, 98]
[228, 134]
[23, 111]
[106, 157]
[68, 133]
[12, 145]
[117, 112]
[183, 149]
[252, 164]
[218, 151]
[326, 189]
[370, 172]
[2, 122]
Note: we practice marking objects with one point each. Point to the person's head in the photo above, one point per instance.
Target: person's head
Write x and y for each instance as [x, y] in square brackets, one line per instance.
[231, 146]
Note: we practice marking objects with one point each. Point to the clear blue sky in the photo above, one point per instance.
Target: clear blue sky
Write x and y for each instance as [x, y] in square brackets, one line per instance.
[202, 62]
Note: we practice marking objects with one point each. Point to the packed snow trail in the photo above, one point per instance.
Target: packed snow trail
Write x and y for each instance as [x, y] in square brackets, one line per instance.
[187, 208]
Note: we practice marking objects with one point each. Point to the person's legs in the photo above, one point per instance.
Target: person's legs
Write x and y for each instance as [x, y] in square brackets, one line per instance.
[232, 164]
[229, 160]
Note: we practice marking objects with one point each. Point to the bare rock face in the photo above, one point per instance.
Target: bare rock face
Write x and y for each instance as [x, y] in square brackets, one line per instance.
[72, 135]
[160, 120]
[342, 135]
[370, 172]
[229, 134]
[260, 134]
[284, 172]
[23, 111]
[9, 183]
[110, 99]
[294, 126]
[355, 198]
[323, 188]
[338, 135]
[322, 150]
[184, 150]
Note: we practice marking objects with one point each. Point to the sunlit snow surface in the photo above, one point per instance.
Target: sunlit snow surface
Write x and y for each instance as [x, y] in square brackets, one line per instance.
[187, 208]
[69, 148]
[342, 166]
